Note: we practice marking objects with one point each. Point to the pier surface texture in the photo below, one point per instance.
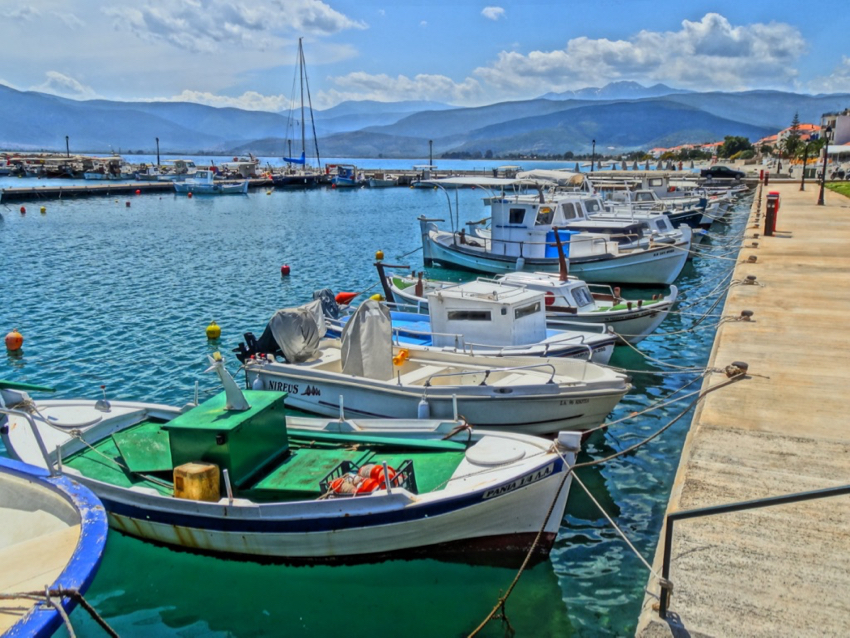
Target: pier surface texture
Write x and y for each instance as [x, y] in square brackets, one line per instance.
[781, 570]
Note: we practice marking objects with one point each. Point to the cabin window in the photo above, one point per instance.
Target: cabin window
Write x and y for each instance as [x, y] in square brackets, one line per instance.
[644, 197]
[529, 309]
[655, 181]
[516, 215]
[662, 225]
[582, 297]
[545, 214]
[469, 315]
[593, 205]
[569, 211]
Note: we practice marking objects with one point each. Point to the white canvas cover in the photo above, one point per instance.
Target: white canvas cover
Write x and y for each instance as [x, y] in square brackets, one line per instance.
[297, 331]
[367, 347]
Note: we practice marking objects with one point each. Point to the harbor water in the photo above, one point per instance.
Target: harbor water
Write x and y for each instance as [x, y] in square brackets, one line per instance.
[118, 292]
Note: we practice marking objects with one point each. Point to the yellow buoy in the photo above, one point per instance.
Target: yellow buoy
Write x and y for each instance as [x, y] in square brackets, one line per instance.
[379, 255]
[14, 340]
[377, 297]
[43, 210]
[213, 331]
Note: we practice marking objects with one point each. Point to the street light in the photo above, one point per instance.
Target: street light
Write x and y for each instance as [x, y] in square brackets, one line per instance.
[805, 159]
[826, 133]
[593, 156]
[67, 147]
[430, 152]
[157, 151]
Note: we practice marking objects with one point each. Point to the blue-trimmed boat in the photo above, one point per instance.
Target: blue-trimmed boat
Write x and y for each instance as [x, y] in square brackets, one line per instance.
[235, 476]
[53, 534]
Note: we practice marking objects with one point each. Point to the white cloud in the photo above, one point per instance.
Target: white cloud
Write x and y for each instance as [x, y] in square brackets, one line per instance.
[71, 21]
[65, 86]
[704, 55]
[837, 82]
[21, 13]
[493, 13]
[204, 27]
[250, 100]
[423, 24]
[383, 88]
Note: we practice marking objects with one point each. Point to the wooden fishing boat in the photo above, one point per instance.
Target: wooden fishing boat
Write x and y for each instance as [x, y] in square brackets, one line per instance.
[370, 376]
[53, 535]
[235, 476]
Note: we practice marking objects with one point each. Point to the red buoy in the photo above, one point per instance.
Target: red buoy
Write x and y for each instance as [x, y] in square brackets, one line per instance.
[189, 195]
[14, 340]
[345, 298]
[284, 270]
[127, 204]
[138, 192]
[23, 210]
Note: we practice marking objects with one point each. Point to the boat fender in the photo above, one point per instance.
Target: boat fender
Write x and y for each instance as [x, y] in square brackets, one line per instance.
[257, 384]
[366, 470]
[368, 485]
[520, 263]
[377, 297]
[423, 410]
[549, 298]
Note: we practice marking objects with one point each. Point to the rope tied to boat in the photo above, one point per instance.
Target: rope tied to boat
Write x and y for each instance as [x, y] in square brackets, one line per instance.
[54, 597]
[735, 373]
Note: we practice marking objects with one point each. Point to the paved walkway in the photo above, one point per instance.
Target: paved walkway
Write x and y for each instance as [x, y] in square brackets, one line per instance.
[785, 570]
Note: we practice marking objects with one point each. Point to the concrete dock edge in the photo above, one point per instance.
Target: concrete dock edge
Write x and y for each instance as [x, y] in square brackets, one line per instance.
[785, 570]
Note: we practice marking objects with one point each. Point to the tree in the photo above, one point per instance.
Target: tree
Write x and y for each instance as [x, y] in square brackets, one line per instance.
[733, 144]
[791, 144]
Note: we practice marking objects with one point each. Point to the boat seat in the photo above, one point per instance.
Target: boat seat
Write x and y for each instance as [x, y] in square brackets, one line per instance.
[421, 374]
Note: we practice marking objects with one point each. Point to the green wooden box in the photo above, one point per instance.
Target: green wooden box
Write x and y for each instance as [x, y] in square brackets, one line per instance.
[241, 442]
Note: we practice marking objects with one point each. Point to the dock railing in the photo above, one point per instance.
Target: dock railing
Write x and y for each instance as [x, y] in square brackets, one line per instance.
[667, 586]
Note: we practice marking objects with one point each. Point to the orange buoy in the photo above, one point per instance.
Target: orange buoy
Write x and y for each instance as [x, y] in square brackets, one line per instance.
[379, 255]
[138, 191]
[345, 298]
[377, 473]
[14, 340]
[23, 210]
[368, 485]
[366, 470]
[284, 270]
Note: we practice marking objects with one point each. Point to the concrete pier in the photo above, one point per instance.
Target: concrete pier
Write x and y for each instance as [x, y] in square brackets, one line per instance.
[103, 189]
[785, 570]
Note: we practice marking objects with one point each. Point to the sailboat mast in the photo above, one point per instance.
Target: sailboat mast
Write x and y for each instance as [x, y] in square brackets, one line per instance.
[301, 71]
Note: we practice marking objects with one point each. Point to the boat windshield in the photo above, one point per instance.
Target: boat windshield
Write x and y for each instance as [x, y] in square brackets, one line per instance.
[593, 205]
[545, 215]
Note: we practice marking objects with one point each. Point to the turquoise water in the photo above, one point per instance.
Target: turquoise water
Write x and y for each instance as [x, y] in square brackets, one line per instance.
[106, 293]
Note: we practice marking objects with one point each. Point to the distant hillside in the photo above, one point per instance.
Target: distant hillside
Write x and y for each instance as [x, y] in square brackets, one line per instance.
[615, 91]
[402, 129]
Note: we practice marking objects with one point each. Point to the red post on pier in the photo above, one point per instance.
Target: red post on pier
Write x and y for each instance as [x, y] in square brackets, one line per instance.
[771, 213]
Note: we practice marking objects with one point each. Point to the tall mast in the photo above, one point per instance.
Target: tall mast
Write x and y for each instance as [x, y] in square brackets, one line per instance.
[302, 77]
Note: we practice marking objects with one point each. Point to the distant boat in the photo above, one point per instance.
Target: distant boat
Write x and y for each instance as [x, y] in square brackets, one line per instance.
[382, 180]
[298, 174]
[346, 176]
[204, 183]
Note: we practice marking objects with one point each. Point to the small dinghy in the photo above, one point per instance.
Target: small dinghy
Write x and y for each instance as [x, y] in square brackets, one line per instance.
[235, 476]
[52, 535]
[371, 377]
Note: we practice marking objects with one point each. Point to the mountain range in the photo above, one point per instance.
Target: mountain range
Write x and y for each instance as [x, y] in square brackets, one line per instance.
[620, 117]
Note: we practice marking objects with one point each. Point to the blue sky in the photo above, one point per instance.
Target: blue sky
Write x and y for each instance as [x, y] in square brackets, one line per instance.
[241, 52]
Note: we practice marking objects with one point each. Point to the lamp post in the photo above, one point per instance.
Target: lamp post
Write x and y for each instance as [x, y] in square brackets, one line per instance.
[157, 151]
[430, 152]
[67, 148]
[593, 156]
[805, 159]
[826, 133]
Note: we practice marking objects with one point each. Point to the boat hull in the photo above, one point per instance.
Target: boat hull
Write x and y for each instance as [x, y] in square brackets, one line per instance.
[659, 264]
[529, 409]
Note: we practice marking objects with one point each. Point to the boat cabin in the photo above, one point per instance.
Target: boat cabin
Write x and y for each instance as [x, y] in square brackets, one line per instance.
[487, 312]
[572, 293]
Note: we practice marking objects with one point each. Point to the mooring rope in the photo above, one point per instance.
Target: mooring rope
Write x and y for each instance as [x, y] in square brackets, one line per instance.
[50, 596]
[500, 604]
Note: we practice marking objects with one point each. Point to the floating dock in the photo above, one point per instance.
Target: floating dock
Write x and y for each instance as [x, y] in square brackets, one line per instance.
[781, 570]
[102, 189]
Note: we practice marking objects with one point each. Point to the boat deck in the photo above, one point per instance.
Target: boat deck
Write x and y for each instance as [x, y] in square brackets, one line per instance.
[782, 570]
[312, 456]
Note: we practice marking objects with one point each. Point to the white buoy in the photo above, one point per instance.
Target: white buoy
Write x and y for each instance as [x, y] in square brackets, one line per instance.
[423, 411]
[257, 383]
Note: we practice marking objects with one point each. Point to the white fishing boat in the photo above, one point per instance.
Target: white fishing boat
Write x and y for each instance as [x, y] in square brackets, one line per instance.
[177, 170]
[488, 318]
[234, 476]
[52, 537]
[569, 302]
[521, 237]
[204, 183]
[370, 376]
